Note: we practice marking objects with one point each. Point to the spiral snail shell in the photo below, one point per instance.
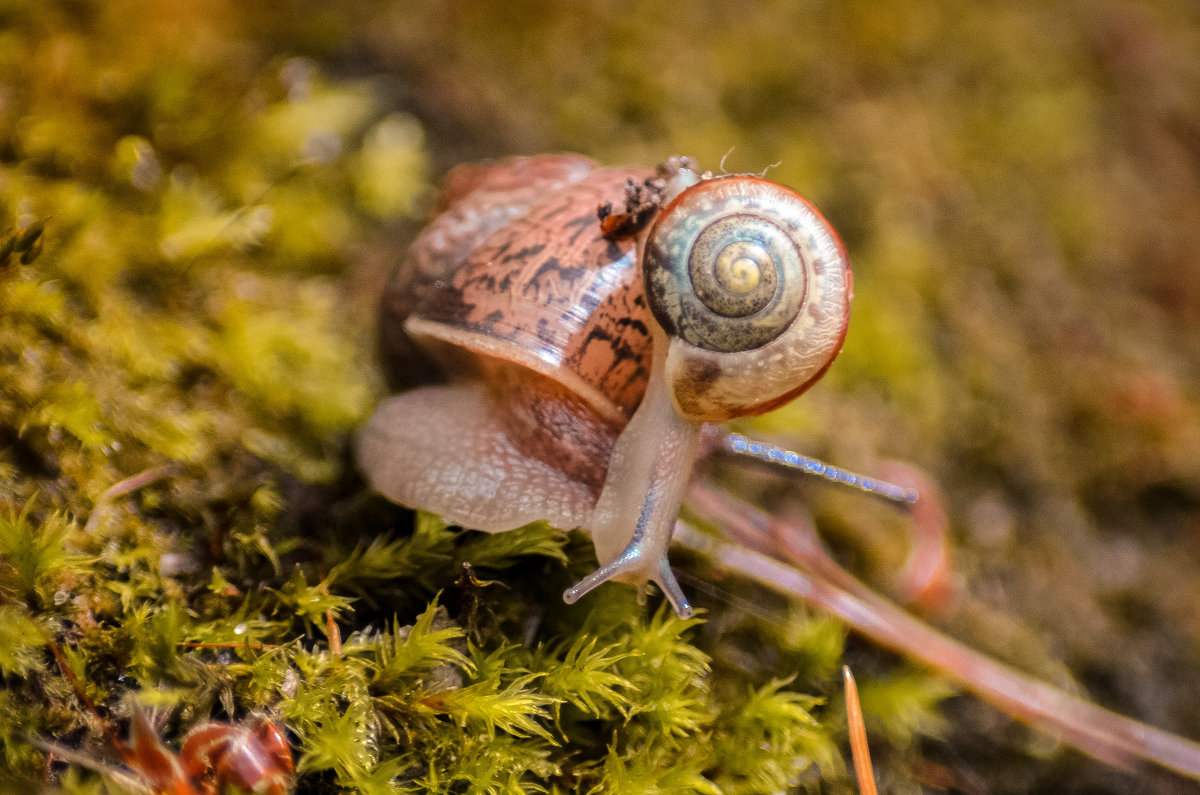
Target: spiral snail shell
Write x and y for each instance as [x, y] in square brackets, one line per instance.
[589, 320]
[753, 281]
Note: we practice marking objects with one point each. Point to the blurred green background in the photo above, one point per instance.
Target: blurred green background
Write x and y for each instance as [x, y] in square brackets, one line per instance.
[1018, 186]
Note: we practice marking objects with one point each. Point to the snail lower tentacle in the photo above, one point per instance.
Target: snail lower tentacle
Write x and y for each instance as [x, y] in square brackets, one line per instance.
[635, 514]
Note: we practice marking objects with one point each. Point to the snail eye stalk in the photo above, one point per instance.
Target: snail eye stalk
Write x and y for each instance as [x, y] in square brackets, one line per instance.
[736, 444]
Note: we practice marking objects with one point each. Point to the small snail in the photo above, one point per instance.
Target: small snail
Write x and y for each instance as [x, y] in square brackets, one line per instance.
[570, 328]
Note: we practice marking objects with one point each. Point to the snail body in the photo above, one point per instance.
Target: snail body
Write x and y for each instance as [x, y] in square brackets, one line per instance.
[564, 353]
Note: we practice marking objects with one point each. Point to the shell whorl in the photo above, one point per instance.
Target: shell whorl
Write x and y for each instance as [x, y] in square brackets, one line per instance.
[752, 286]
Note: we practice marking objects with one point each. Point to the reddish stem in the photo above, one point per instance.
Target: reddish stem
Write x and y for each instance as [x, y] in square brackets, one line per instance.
[69, 674]
[925, 578]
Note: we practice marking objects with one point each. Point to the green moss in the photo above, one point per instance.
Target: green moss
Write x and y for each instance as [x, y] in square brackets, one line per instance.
[198, 204]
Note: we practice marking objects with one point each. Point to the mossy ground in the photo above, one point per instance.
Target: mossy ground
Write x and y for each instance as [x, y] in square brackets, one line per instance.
[224, 187]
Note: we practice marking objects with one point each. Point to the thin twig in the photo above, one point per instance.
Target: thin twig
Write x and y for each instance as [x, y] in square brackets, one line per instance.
[126, 486]
[858, 737]
[817, 579]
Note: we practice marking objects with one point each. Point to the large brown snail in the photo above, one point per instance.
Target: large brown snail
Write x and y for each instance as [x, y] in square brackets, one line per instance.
[568, 330]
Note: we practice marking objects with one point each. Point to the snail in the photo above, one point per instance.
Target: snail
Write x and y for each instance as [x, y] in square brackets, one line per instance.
[566, 330]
